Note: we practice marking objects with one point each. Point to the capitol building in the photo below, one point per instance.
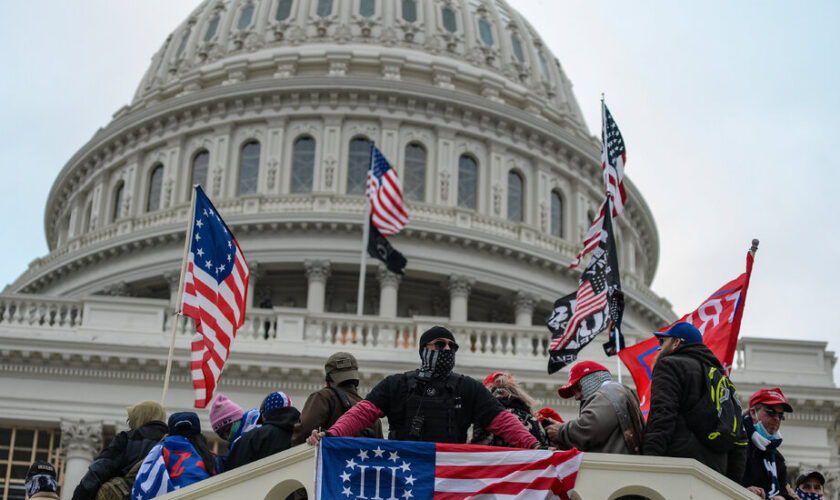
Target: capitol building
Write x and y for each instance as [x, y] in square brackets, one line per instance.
[271, 106]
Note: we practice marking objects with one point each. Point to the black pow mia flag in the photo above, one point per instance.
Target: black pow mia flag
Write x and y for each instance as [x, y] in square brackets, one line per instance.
[597, 304]
[379, 248]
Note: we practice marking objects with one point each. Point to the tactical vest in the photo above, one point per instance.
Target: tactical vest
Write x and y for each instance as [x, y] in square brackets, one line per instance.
[432, 411]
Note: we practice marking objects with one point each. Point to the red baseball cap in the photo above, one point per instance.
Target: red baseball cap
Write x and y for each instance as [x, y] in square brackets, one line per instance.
[491, 379]
[771, 397]
[576, 373]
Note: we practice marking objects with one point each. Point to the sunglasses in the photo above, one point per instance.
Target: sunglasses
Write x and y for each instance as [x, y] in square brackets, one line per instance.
[773, 413]
[441, 345]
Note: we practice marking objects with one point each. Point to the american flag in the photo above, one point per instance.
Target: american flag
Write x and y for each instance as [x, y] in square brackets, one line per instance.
[350, 468]
[577, 318]
[215, 287]
[386, 199]
[613, 157]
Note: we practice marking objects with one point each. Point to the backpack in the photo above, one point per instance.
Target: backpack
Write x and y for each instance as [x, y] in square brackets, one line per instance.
[717, 418]
[119, 488]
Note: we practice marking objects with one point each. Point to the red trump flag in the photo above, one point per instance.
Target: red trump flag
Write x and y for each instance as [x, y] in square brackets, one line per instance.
[718, 319]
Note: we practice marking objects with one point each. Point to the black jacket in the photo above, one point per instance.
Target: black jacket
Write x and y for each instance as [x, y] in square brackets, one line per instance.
[677, 385]
[274, 436]
[755, 473]
[127, 448]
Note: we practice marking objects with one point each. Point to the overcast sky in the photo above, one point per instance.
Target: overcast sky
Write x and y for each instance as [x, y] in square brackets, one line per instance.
[728, 110]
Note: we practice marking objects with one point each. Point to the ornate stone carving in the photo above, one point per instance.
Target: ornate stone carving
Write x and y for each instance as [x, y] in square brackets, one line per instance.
[81, 438]
[524, 302]
[444, 185]
[387, 278]
[460, 285]
[329, 171]
[317, 269]
[273, 165]
[120, 289]
[497, 199]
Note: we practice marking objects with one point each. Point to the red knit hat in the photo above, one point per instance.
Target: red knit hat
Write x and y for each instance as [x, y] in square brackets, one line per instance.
[576, 373]
[491, 379]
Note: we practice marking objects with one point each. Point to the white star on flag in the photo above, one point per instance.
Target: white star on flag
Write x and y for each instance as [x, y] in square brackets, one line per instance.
[363, 454]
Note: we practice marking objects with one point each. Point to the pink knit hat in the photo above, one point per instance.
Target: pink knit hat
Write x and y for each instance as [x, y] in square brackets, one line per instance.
[223, 412]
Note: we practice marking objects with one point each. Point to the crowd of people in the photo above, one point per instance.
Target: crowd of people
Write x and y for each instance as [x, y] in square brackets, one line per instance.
[434, 403]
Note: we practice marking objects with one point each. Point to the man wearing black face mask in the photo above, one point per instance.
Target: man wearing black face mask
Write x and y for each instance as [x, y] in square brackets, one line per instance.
[432, 403]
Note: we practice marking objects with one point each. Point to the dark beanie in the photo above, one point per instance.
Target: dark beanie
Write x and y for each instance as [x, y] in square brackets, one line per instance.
[435, 332]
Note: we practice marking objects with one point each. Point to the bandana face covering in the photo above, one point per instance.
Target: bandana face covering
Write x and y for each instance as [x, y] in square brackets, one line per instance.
[234, 430]
[808, 496]
[438, 363]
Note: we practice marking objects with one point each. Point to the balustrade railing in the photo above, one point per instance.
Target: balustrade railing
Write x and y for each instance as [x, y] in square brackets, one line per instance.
[24, 310]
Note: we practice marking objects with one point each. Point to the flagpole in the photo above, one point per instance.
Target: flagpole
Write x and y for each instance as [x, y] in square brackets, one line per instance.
[360, 295]
[177, 313]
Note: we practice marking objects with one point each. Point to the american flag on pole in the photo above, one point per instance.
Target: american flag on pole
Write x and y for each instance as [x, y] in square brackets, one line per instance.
[598, 303]
[375, 468]
[613, 157]
[387, 209]
[215, 288]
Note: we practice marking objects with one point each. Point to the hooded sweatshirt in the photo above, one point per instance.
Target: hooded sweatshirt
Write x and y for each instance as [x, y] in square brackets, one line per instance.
[273, 436]
[128, 447]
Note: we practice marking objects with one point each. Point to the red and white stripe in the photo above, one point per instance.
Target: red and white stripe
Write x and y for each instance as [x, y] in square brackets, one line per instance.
[218, 309]
[593, 236]
[386, 203]
[487, 472]
[586, 303]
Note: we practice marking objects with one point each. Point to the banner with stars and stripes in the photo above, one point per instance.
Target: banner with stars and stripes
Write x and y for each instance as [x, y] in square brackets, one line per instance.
[359, 468]
[215, 288]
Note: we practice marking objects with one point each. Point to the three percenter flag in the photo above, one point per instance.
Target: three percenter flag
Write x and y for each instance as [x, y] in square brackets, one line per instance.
[215, 289]
[351, 468]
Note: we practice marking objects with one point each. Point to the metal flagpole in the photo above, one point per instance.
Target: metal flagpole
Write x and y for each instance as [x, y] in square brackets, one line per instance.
[360, 296]
[177, 314]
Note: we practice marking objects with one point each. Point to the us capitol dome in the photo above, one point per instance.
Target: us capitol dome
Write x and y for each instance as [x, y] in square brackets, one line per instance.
[271, 106]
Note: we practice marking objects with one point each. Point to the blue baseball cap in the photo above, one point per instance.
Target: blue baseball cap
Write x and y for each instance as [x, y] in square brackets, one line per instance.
[686, 332]
[184, 423]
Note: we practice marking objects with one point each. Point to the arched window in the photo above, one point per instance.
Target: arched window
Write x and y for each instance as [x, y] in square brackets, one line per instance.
[515, 197]
[447, 16]
[414, 187]
[284, 10]
[358, 162]
[485, 32]
[303, 165]
[88, 214]
[200, 163]
[249, 167]
[544, 66]
[409, 10]
[367, 8]
[182, 45]
[245, 17]
[517, 48]
[155, 184]
[556, 214]
[467, 182]
[212, 26]
[324, 8]
[116, 209]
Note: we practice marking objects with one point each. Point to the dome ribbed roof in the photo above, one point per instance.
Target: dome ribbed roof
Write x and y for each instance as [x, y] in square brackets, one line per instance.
[481, 46]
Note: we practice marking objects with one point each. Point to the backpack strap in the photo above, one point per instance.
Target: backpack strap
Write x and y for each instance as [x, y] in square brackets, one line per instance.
[342, 396]
[629, 417]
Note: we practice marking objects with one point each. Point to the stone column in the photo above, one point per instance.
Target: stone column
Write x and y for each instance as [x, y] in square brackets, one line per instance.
[388, 285]
[459, 293]
[81, 441]
[173, 279]
[253, 278]
[317, 272]
[524, 304]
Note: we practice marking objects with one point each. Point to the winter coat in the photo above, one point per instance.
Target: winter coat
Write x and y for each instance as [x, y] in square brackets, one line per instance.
[755, 473]
[126, 449]
[322, 408]
[521, 411]
[597, 428]
[677, 385]
[273, 436]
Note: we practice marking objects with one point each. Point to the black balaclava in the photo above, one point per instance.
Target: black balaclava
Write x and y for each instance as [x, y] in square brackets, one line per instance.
[438, 364]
